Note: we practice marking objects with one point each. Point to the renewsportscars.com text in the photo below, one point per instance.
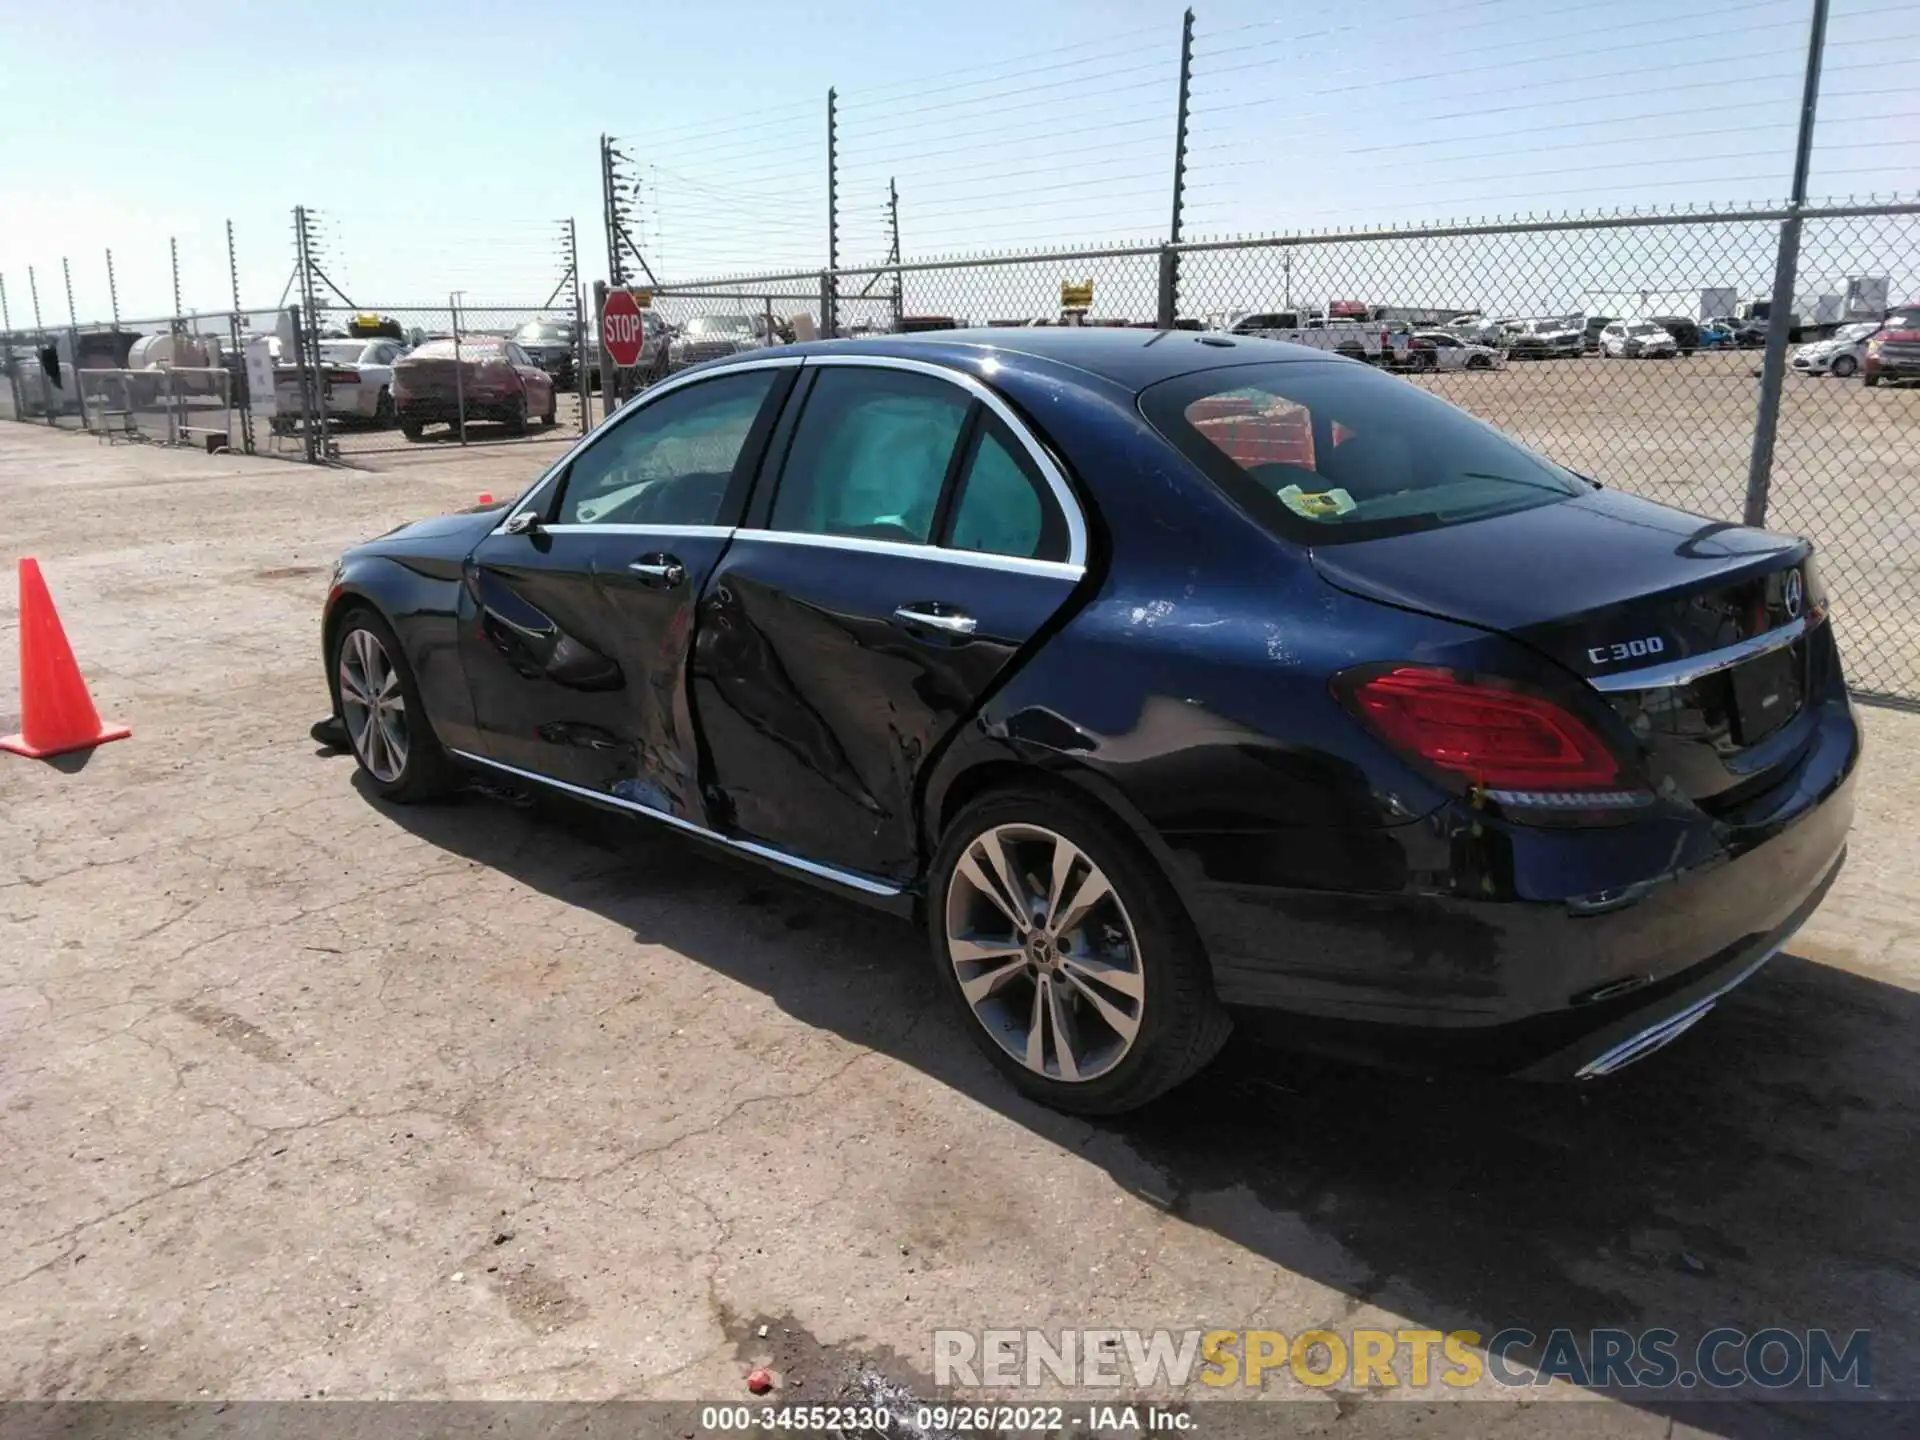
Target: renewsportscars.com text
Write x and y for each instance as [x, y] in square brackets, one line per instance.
[1721, 1359]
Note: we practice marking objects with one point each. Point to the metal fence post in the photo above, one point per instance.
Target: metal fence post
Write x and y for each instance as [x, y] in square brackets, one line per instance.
[40, 343]
[459, 379]
[1169, 257]
[609, 398]
[579, 330]
[829, 321]
[236, 331]
[1773, 366]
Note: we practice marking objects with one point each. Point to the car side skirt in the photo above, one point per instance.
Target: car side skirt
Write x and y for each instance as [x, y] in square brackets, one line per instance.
[880, 894]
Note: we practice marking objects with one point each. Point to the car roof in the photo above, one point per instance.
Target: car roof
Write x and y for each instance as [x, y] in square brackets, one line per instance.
[1131, 358]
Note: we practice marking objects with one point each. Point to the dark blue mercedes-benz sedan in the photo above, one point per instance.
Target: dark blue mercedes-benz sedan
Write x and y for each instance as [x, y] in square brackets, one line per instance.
[1164, 676]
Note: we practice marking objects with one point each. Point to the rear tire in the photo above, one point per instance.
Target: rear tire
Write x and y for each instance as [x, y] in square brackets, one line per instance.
[1117, 985]
[383, 408]
[387, 726]
[412, 429]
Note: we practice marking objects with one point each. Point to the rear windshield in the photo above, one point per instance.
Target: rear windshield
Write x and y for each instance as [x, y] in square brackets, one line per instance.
[469, 350]
[1328, 452]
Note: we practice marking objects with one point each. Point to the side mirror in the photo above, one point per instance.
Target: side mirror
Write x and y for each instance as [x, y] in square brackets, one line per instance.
[525, 522]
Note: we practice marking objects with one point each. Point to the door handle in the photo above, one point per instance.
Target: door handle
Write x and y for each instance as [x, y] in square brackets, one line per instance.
[663, 568]
[952, 622]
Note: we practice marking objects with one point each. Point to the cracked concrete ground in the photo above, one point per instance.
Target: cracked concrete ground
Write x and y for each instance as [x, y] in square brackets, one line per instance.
[303, 1095]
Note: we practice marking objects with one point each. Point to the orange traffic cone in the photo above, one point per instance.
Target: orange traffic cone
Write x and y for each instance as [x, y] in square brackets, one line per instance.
[57, 714]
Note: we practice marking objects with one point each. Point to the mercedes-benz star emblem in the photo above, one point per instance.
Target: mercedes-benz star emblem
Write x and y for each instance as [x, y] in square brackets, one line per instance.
[1794, 594]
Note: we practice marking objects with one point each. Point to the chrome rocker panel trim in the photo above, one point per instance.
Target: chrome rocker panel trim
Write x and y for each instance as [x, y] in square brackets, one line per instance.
[864, 883]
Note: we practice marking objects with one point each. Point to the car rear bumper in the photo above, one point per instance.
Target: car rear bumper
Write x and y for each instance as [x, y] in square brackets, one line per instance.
[428, 409]
[1551, 975]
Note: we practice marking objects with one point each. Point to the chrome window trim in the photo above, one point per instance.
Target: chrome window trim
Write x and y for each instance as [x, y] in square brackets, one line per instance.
[979, 559]
[639, 403]
[707, 532]
[848, 878]
[1056, 482]
[1685, 672]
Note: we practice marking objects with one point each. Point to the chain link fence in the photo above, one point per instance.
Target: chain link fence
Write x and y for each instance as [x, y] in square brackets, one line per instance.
[171, 381]
[1626, 347]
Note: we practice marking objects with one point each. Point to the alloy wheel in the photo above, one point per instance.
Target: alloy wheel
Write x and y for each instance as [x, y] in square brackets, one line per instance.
[1044, 952]
[373, 706]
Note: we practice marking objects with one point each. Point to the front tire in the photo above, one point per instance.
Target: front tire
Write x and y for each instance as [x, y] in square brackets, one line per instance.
[1065, 948]
[1843, 367]
[1870, 381]
[517, 420]
[387, 726]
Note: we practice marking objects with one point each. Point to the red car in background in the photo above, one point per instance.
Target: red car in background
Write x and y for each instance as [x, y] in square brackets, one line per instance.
[485, 377]
[1894, 353]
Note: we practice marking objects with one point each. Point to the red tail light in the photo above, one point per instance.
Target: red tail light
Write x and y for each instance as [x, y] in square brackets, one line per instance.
[343, 377]
[1494, 738]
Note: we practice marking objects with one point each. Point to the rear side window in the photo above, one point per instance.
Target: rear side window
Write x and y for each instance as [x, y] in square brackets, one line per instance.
[870, 455]
[1323, 453]
[1004, 506]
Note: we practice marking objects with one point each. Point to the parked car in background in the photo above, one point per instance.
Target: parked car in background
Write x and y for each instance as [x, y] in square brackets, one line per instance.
[1740, 334]
[656, 335]
[1479, 330]
[1637, 340]
[1894, 353]
[486, 379]
[1556, 337]
[1840, 355]
[1590, 336]
[840, 611]
[355, 382]
[550, 345]
[1439, 350]
[711, 337]
[1685, 332]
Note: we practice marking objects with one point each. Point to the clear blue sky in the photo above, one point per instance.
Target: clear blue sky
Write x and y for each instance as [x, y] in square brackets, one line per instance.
[441, 139]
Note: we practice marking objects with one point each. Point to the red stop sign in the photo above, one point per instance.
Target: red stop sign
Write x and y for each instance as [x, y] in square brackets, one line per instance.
[621, 330]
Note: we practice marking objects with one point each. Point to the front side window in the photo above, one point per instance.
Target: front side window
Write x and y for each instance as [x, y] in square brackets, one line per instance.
[870, 455]
[669, 462]
[1324, 453]
[1004, 506]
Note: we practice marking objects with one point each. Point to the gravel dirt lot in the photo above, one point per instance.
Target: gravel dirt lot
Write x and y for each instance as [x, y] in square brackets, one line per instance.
[304, 1095]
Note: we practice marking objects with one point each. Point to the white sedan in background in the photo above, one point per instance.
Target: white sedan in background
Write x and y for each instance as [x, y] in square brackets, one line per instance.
[1450, 352]
[1840, 355]
[1637, 339]
[356, 380]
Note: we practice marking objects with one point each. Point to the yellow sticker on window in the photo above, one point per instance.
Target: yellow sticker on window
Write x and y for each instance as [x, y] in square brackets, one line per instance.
[1316, 504]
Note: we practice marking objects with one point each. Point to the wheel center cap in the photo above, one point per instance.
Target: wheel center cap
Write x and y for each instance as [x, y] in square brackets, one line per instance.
[1040, 948]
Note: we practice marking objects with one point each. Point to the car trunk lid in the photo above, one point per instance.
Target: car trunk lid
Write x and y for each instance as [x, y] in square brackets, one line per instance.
[1693, 631]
